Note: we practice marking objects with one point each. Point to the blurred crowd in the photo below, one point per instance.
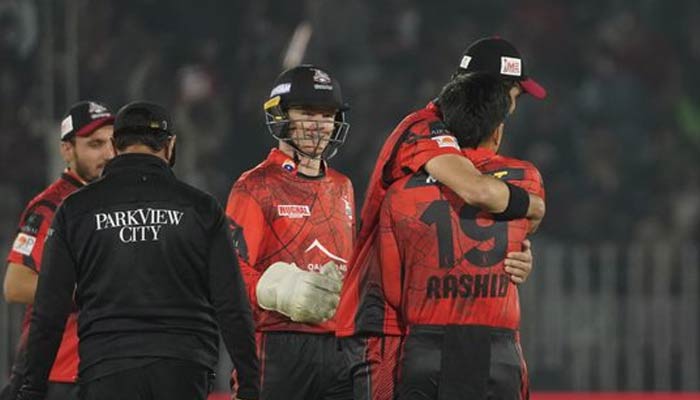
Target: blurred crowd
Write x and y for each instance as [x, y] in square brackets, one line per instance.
[617, 140]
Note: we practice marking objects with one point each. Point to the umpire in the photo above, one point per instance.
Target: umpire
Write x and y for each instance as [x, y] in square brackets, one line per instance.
[149, 264]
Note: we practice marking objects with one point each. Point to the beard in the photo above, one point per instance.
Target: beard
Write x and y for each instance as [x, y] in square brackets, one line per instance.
[84, 171]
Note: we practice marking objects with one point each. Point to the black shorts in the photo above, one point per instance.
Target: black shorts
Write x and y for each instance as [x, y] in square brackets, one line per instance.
[303, 366]
[462, 362]
[373, 365]
[165, 379]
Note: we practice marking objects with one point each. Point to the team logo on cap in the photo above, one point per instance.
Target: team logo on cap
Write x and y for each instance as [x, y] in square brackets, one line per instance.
[511, 66]
[97, 111]
[321, 77]
[465, 62]
[162, 125]
[66, 125]
[282, 88]
[322, 80]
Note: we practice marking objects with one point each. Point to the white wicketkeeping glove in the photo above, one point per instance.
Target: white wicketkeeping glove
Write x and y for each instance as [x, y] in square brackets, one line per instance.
[303, 296]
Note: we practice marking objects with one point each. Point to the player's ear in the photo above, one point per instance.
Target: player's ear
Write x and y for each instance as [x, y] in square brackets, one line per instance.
[171, 152]
[497, 135]
[67, 151]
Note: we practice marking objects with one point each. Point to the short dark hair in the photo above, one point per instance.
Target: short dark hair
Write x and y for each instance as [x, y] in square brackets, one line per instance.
[155, 140]
[473, 105]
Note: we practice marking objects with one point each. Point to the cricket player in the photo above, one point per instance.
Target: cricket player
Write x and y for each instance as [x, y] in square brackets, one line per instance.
[85, 147]
[443, 262]
[422, 142]
[293, 222]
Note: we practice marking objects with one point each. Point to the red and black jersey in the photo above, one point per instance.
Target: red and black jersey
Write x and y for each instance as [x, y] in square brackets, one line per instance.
[27, 250]
[420, 137]
[278, 215]
[442, 260]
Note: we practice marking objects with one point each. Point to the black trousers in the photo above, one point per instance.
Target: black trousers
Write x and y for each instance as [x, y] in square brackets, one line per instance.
[166, 379]
[55, 390]
[303, 366]
[373, 365]
[462, 362]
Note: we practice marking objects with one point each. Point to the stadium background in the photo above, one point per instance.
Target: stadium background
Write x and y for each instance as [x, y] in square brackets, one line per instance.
[612, 304]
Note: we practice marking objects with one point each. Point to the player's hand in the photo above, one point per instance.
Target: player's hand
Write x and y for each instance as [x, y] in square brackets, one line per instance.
[303, 296]
[316, 298]
[519, 264]
[535, 212]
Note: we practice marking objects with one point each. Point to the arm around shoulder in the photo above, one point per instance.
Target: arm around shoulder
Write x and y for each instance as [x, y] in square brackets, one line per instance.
[460, 175]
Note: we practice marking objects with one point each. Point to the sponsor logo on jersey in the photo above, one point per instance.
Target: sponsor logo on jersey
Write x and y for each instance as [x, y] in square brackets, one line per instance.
[438, 128]
[508, 174]
[293, 211]
[446, 141]
[317, 245]
[139, 225]
[32, 224]
[289, 165]
[500, 174]
[24, 244]
[342, 263]
[420, 179]
[511, 66]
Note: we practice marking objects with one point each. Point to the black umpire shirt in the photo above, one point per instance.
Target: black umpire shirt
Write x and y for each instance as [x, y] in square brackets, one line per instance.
[151, 263]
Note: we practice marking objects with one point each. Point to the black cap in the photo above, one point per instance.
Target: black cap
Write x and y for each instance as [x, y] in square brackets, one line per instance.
[143, 116]
[84, 118]
[498, 56]
[306, 85]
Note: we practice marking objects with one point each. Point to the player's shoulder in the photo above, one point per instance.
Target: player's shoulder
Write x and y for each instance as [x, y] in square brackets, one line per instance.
[510, 167]
[426, 123]
[421, 122]
[519, 172]
[50, 198]
[253, 176]
[337, 177]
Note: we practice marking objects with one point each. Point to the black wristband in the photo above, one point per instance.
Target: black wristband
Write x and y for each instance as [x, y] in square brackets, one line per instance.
[518, 203]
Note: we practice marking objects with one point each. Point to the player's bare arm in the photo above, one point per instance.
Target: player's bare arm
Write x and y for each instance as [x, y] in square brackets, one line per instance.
[20, 284]
[485, 192]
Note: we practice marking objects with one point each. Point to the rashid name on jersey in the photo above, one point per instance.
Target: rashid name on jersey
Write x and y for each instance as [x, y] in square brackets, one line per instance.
[442, 260]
